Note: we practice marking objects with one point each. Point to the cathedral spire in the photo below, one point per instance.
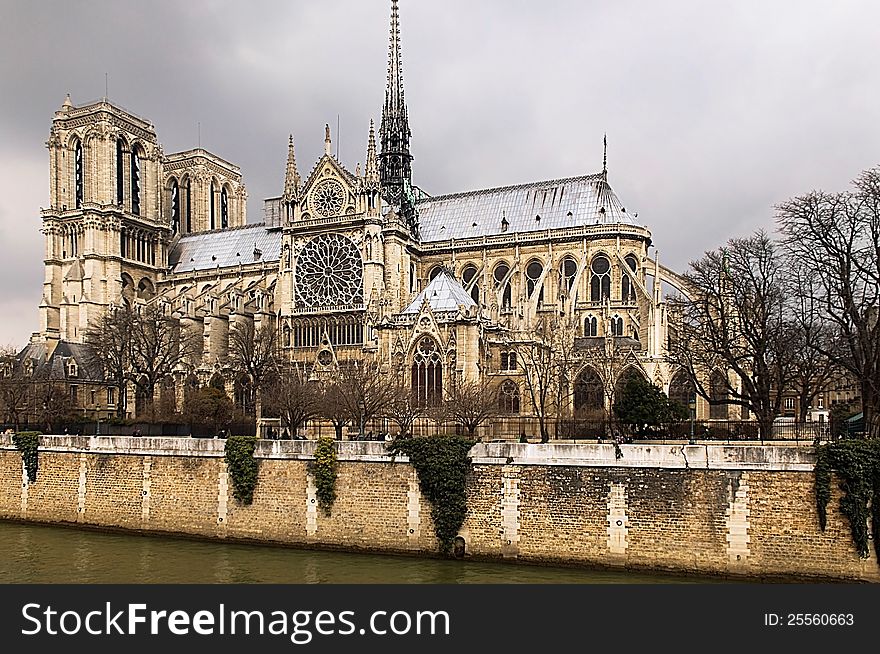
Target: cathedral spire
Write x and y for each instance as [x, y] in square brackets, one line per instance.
[371, 167]
[292, 180]
[395, 161]
[605, 156]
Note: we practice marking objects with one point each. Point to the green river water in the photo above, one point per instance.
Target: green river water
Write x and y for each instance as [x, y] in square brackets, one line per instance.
[49, 554]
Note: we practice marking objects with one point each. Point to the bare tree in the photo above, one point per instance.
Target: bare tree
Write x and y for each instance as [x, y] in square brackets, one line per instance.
[363, 392]
[14, 387]
[813, 370]
[837, 235]
[546, 354]
[331, 407]
[52, 402]
[253, 351]
[733, 320]
[293, 397]
[403, 409]
[470, 404]
[109, 340]
[158, 347]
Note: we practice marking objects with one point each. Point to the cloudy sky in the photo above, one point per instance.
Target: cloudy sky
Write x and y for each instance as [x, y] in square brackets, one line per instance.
[714, 110]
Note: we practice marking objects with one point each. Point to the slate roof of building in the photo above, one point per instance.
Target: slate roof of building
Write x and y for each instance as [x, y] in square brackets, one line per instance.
[531, 207]
[444, 293]
[52, 365]
[225, 248]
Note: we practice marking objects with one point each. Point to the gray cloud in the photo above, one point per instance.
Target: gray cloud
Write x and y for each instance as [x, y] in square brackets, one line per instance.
[714, 111]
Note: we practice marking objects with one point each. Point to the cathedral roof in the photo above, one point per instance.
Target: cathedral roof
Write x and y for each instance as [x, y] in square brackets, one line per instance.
[532, 207]
[225, 248]
[443, 293]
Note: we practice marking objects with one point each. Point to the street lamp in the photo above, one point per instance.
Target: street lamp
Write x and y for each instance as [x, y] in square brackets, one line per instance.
[692, 409]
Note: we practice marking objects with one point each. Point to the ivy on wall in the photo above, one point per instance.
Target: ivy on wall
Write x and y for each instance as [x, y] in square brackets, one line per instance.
[442, 464]
[325, 472]
[857, 463]
[242, 467]
[27, 443]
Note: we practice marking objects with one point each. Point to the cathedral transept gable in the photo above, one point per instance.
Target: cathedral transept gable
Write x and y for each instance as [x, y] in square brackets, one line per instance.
[329, 191]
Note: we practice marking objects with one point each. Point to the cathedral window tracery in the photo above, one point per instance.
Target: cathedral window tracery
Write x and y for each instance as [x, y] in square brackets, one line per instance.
[329, 273]
[224, 208]
[500, 275]
[427, 374]
[135, 182]
[467, 276]
[533, 274]
[627, 288]
[79, 181]
[508, 397]
[600, 284]
[328, 198]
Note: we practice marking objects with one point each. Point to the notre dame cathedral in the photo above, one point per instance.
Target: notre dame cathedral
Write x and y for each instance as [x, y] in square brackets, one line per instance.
[348, 264]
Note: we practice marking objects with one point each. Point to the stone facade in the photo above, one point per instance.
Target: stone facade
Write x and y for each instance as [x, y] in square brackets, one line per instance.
[726, 510]
[344, 261]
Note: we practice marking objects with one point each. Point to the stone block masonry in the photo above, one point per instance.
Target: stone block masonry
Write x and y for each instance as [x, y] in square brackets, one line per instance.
[707, 509]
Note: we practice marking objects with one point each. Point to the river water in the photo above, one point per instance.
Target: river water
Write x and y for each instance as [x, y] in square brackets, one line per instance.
[49, 554]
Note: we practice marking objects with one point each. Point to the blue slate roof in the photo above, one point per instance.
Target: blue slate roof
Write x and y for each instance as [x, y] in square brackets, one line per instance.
[225, 248]
[444, 293]
[532, 207]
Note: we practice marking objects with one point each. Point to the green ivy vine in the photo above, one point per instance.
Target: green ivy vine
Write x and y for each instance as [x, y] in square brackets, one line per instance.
[857, 462]
[27, 443]
[242, 467]
[325, 472]
[442, 464]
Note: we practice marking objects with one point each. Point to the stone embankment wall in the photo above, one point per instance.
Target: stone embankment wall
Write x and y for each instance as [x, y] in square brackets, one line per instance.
[718, 509]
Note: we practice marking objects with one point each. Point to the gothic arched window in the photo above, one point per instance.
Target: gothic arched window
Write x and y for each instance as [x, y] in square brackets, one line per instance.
[508, 397]
[568, 268]
[467, 276]
[224, 208]
[718, 405]
[135, 182]
[682, 389]
[427, 374]
[591, 326]
[589, 394]
[120, 171]
[434, 272]
[500, 274]
[627, 288]
[533, 275]
[79, 181]
[600, 283]
[213, 201]
[617, 326]
[175, 207]
[189, 226]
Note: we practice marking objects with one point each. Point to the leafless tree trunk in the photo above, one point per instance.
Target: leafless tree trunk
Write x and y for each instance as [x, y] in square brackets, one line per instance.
[253, 351]
[470, 404]
[402, 408]
[363, 392]
[837, 235]
[295, 399]
[546, 353]
[734, 321]
[109, 341]
[14, 387]
[158, 347]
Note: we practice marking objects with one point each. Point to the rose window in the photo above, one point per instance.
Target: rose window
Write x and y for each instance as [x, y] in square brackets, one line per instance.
[328, 198]
[329, 272]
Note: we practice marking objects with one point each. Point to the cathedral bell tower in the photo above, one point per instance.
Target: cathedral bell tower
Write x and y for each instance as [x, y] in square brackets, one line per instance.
[106, 239]
[395, 160]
